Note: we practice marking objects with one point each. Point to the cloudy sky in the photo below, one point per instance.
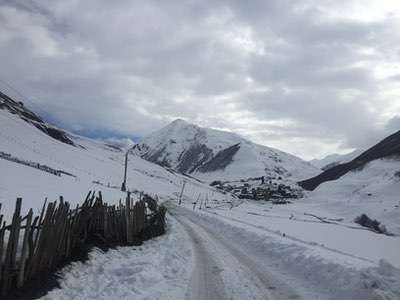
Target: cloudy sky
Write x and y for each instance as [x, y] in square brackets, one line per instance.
[309, 77]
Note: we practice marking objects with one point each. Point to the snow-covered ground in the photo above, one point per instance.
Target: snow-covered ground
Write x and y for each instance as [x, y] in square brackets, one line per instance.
[252, 251]
[314, 243]
[160, 269]
[352, 242]
[319, 260]
[374, 190]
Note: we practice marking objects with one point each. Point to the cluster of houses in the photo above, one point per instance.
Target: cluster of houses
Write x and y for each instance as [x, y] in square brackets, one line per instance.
[261, 188]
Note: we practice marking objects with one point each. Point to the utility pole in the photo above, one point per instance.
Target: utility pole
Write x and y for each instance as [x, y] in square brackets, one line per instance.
[123, 187]
[183, 188]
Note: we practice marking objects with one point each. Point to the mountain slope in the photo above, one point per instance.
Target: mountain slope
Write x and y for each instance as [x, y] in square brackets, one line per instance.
[35, 165]
[389, 147]
[18, 108]
[211, 154]
[374, 190]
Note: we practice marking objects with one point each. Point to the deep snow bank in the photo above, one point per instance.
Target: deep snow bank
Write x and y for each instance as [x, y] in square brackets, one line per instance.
[160, 269]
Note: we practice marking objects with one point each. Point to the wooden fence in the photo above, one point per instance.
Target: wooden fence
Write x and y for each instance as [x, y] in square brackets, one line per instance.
[33, 164]
[34, 246]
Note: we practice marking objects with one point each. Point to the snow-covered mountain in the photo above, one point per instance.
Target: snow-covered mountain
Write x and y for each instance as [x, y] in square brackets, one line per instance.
[335, 159]
[211, 154]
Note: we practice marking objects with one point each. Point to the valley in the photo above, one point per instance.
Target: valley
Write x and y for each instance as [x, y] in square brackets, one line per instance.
[245, 227]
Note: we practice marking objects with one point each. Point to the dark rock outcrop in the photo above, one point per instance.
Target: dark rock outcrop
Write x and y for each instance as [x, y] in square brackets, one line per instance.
[221, 160]
[194, 157]
[18, 108]
[157, 157]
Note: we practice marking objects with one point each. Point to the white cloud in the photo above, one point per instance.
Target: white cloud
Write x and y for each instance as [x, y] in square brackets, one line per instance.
[309, 77]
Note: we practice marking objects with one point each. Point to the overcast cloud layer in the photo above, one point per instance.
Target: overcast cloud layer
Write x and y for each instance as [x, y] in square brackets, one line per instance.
[306, 77]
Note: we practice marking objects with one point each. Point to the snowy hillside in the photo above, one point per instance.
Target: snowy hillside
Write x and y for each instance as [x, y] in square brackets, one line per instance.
[210, 154]
[374, 190]
[31, 159]
[335, 159]
[388, 148]
[368, 184]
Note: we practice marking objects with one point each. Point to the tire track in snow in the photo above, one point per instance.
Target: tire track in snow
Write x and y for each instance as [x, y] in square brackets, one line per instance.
[206, 282]
[222, 271]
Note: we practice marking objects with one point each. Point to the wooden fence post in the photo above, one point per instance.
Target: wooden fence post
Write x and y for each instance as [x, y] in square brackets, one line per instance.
[195, 203]
[11, 252]
[24, 251]
[183, 189]
[2, 232]
[129, 237]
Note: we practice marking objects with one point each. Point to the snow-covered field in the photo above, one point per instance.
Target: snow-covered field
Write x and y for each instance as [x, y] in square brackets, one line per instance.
[375, 190]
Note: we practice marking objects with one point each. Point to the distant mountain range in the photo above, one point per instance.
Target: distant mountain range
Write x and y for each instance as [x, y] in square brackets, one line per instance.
[335, 159]
[204, 153]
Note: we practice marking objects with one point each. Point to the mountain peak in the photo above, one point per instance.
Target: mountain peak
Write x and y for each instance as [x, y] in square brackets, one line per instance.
[179, 122]
[191, 149]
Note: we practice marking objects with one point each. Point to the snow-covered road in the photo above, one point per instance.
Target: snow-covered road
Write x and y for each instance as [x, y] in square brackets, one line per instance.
[222, 270]
[280, 246]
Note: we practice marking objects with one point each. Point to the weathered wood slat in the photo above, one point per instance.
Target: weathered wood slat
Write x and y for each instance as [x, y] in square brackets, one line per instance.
[11, 252]
[129, 235]
[2, 232]
[24, 251]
